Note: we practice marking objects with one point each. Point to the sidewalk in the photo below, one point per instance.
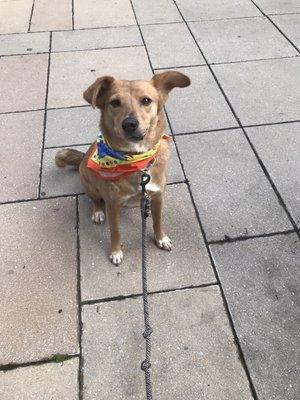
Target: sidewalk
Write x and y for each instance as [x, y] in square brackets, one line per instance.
[225, 303]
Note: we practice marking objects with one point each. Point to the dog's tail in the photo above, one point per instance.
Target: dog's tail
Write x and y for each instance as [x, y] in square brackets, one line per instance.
[69, 157]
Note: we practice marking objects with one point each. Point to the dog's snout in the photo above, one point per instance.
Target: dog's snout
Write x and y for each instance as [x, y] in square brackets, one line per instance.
[130, 124]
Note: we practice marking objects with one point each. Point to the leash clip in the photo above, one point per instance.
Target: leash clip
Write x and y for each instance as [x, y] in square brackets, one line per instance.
[145, 178]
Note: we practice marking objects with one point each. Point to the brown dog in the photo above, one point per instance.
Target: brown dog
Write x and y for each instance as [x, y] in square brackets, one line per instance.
[132, 122]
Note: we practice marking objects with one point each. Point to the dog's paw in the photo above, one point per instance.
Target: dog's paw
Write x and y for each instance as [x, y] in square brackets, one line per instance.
[98, 217]
[116, 257]
[164, 243]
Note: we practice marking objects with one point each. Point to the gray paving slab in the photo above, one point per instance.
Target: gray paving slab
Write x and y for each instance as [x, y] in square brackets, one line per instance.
[199, 107]
[57, 181]
[38, 285]
[278, 147]
[27, 93]
[96, 14]
[48, 382]
[231, 192]
[96, 38]
[49, 16]
[20, 155]
[187, 265]
[27, 43]
[86, 66]
[68, 126]
[279, 6]
[151, 12]
[195, 10]
[262, 91]
[260, 279]
[240, 39]
[176, 46]
[196, 356]
[290, 25]
[15, 16]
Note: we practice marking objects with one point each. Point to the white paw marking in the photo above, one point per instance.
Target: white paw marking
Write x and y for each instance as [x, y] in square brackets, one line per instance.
[165, 243]
[98, 217]
[116, 257]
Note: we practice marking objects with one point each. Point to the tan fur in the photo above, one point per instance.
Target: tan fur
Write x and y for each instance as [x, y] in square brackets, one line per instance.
[151, 120]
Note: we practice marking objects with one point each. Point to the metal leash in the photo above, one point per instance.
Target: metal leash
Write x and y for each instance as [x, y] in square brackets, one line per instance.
[145, 211]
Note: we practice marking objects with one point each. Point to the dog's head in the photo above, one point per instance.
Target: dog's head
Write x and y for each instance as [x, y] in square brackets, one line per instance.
[130, 109]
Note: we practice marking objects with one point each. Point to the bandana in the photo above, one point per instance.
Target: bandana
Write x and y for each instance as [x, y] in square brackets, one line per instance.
[111, 165]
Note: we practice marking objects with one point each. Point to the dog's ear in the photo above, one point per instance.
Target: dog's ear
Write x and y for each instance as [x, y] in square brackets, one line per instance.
[95, 93]
[167, 81]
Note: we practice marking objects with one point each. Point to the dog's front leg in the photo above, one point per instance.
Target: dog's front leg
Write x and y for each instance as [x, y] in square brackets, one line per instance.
[113, 216]
[162, 240]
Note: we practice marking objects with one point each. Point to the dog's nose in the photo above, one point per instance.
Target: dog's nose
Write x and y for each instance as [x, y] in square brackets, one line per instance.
[130, 124]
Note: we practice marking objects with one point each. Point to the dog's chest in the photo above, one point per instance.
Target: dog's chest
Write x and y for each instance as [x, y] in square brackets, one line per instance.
[130, 191]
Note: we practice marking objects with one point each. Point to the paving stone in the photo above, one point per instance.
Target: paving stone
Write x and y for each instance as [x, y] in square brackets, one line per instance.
[23, 82]
[38, 285]
[27, 43]
[197, 356]
[240, 39]
[279, 6]
[48, 16]
[20, 155]
[260, 279]
[95, 14]
[47, 382]
[194, 10]
[96, 38]
[290, 25]
[68, 126]
[57, 181]
[177, 47]
[200, 106]
[187, 265]
[15, 16]
[151, 12]
[231, 192]
[278, 147]
[262, 91]
[86, 66]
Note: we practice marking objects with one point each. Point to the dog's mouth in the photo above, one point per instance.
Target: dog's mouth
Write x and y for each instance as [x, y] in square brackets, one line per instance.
[136, 136]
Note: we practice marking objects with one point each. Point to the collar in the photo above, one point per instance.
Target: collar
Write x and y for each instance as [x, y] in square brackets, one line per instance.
[110, 164]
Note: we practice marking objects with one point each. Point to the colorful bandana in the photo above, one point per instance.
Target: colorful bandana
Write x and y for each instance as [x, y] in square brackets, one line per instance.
[110, 164]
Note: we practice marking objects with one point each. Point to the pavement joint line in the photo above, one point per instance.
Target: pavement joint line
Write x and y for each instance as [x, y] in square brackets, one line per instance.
[142, 36]
[51, 360]
[226, 62]
[226, 306]
[274, 24]
[151, 293]
[45, 117]
[233, 239]
[263, 167]
[80, 325]
[71, 51]
[72, 15]
[67, 145]
[7, 203]
[286, 13]
[31, 14]
[97, 48]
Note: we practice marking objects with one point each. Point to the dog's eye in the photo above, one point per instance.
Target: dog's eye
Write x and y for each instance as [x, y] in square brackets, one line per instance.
[146, 101]
[115, 103]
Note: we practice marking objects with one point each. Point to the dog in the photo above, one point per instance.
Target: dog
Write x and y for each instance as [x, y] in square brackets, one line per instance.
[133, 125]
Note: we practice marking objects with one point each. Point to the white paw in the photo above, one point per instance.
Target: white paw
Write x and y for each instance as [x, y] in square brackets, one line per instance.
[98, 217]
[165, 243]
[116, 257]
